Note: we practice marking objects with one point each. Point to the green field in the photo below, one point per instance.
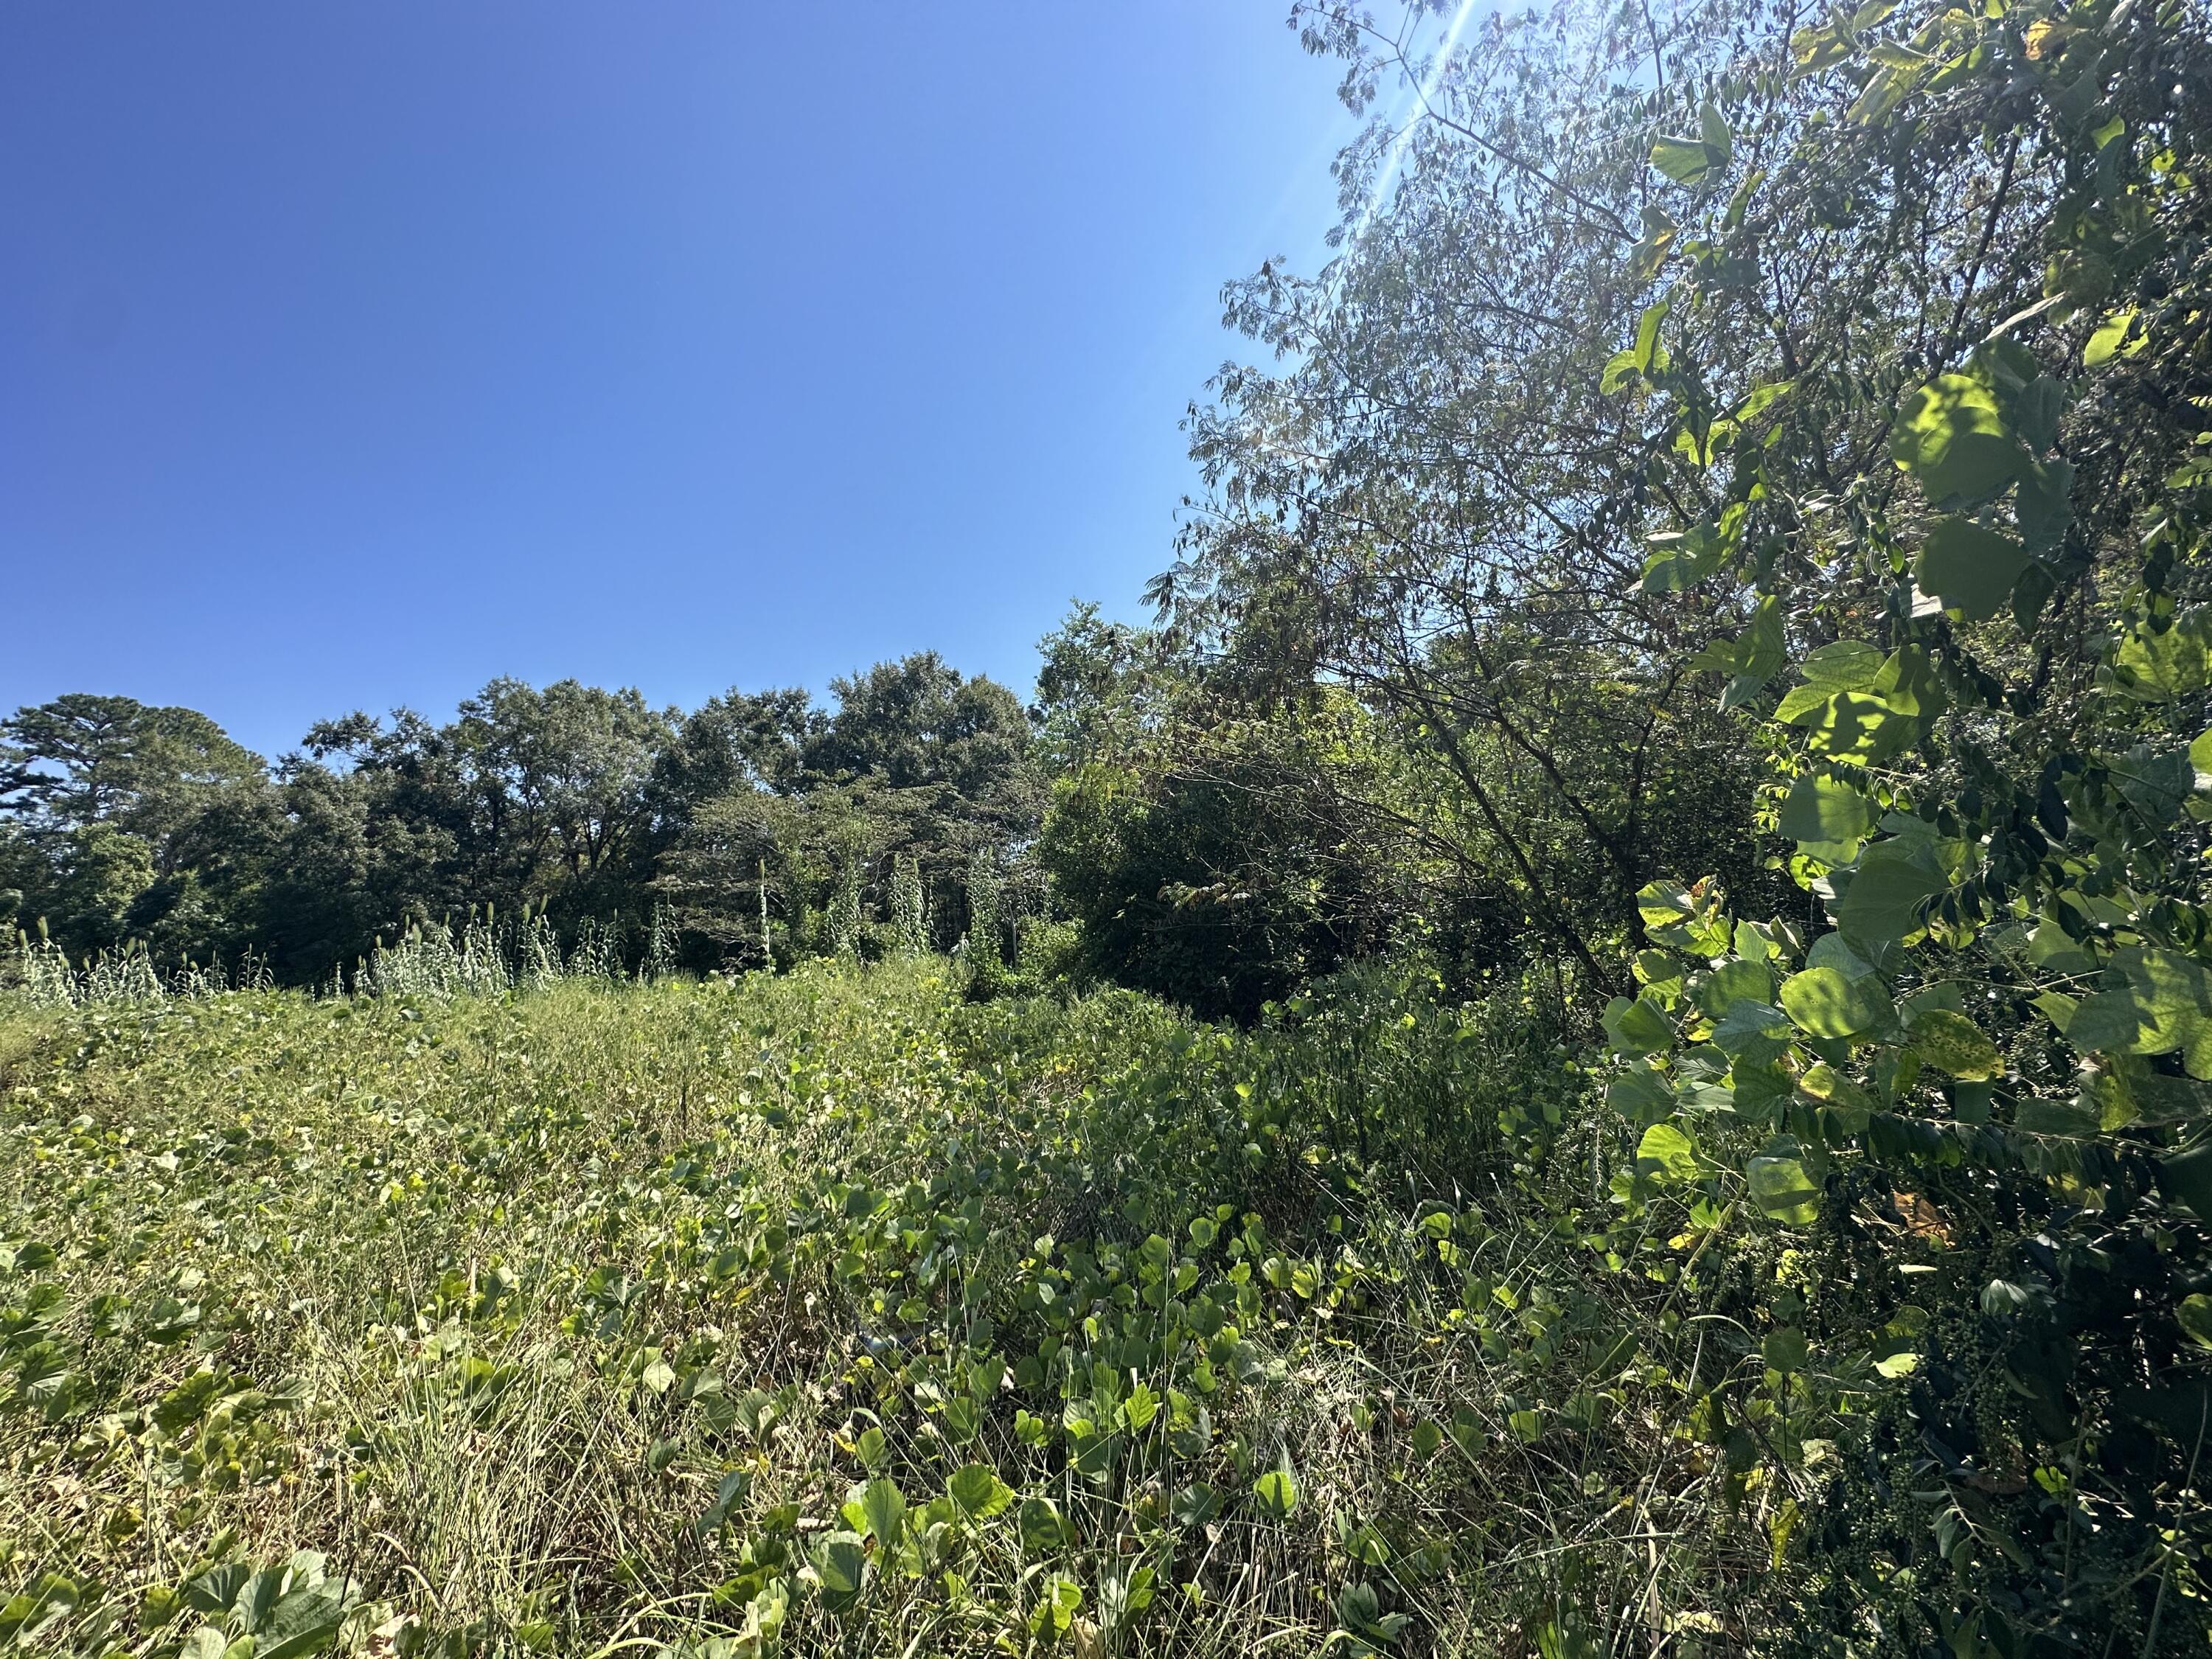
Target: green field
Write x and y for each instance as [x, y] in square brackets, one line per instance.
[833, 1310]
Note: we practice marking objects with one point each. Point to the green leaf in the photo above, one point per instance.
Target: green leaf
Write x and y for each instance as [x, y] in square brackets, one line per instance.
[1754, 1032]
[1951, 435]
[1713, 128]
[1780, 1187]
[1855, 727]
[1679, 562]
[885, 1506]
[1640, 1094]
[841, 1564]
[1638, 1027]
[1820, 809]
[2045, 504]
[1970, 567]
[1277, 1492]
[2105, 341]
[1059, 1600]
[1823, 1082]
[1647, 353]
[2195, 1315]
[1686, 161]
[2063, 1118]
[1882, 904]
[1733, 982]
[2159, 664]
[1785, 1349]
[1843, 666]
[977, 1490]
[1042, 1528]
[1824, 1004]
[1953, 1043]
[1665, 1154]
[2161, 1003]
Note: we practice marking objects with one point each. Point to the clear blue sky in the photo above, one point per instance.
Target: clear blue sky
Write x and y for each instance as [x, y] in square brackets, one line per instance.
[351, 354]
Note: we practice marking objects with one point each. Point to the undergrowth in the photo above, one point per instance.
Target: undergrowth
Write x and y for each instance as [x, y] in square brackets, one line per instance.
[833, 1313]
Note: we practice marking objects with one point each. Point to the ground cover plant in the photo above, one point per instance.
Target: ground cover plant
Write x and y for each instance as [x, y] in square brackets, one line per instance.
[1675, 751]
[831, 1311]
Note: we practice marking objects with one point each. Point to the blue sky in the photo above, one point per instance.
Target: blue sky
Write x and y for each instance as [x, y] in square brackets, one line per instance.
[352, 356]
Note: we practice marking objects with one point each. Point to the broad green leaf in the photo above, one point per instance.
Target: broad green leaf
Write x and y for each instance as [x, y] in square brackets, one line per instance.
[1042, 1528]
[1843, 666]
[1647, 353]
[2064, 1118]
[1824, 1004]
[1780, 1187]
[1686, 161]
[1640, 1094]
[1855, 727]
[2195, 1315]
[2161, 1005]
[1954, 1045]
[2105, 341]
[977, 1488]
[2154, 664]
[2044, 503]
[2187, 1176]
[1679, 562]
[1970, 567]
[1785, 1350]
[1638, 1027]
[885, 1506]
[1277, 1492]
[1820, 809]
[304, 1621]
[1882, 904]
[1665, 1154]
[1732, 982]
[1951, 435]
[1713, 128]
[1753, 1032]
[1059, 1598]
[1823, 1082]
[840, 1564]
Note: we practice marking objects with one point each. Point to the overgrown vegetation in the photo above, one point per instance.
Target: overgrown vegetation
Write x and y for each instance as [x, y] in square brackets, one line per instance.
[1677, 736]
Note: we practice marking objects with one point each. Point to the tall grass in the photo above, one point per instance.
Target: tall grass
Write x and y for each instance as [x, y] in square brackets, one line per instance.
[832, 1313]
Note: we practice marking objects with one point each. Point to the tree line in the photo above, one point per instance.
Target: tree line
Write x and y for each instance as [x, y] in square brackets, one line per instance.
[127, 827]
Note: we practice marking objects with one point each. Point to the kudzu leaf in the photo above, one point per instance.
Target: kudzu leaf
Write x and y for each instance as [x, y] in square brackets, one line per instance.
[977, 1488]
[1732, 982]
[2105, 341]
[1951, 435]
[1820, 808]
[1825, 1004]
[1640, 1094]
[1843, 666]
[2195, 1315]
[840, 1564]
[885, 1506]
[2187, 1176]
[1686, 161]
[1665, 1154]
[1277, 1492]
[1780, 1187]
[1953, 1043]
[1882, 904]
[1970, 567]
[1752, 1032]
[1638, 1027]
